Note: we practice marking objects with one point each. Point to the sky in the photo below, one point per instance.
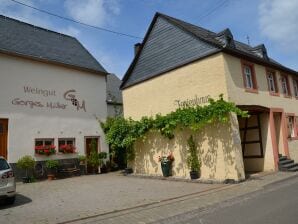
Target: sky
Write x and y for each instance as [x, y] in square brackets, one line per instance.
[271, 22]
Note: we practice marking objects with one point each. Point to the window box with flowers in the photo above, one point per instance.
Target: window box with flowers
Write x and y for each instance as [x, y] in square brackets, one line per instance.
[67, 149]
[166, 164]
[45, 150]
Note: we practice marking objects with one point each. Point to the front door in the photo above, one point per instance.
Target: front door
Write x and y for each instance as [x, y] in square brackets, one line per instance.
[88, 148]
[3, 137]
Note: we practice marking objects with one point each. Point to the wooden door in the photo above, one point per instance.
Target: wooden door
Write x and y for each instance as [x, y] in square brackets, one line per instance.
[88, 141]
[3, 137]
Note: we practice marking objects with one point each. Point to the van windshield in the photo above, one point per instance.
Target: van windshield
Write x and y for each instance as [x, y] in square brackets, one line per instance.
[3, 164]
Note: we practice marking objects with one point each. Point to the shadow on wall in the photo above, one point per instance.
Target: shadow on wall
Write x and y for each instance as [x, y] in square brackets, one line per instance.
[219, 148]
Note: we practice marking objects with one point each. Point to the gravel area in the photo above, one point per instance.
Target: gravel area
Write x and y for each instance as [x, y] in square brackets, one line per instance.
[72, 198]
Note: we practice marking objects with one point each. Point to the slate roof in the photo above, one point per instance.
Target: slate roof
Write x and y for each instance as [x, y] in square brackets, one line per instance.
[114, 94]
[222, 41]
[23, 39]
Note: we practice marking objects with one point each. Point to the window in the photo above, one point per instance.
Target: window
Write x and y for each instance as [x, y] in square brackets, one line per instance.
[3, 164]
[44, 142]
[285, 86]
[44, 146]
[295, 85]
[66, 145]
[272, 84]
[249, 77]
[66, 141]
[291, 127]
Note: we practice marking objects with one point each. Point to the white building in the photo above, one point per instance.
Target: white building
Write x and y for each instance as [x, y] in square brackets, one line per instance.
[52, 91]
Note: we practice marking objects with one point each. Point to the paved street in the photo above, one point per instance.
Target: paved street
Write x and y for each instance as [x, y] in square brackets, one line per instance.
[190, 209]
[274, 204]
[113, 198]
[78, 197]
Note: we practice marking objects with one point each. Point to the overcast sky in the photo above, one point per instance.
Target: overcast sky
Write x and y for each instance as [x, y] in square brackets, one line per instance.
[272, 22]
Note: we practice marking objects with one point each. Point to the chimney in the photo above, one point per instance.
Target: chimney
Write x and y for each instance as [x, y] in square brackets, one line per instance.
[137, 48]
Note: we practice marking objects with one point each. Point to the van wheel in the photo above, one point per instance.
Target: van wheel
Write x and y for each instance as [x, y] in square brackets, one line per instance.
[10, 200]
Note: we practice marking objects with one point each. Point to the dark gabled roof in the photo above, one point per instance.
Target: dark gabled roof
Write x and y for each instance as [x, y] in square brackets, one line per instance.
[114, 94]
[26, 40]
[222, 41]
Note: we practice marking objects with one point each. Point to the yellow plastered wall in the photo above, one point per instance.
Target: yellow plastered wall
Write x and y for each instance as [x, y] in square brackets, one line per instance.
[219, 144]
[293, 149]
[159, 95]
[237, 94]
[219, 151]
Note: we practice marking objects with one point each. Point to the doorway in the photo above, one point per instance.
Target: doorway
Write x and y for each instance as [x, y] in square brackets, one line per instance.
[88, 147]
[3, 137]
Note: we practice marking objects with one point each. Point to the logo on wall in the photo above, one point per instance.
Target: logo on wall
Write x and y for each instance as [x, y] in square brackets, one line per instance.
[69, 95]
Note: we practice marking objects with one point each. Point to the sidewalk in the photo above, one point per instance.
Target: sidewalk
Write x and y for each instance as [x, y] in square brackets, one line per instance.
[179, 205]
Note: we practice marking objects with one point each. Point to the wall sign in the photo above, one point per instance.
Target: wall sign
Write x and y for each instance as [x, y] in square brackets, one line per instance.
[192, 102]
[69, 97]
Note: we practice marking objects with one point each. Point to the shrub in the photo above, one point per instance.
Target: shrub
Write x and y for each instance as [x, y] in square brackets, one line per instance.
[52, 164]
[26, 163]
[193, 161]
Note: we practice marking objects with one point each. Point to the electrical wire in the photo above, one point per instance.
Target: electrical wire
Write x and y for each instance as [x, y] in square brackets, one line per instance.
[209, 12]
[76, 21]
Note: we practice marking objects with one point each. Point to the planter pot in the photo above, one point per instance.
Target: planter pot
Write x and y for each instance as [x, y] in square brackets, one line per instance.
[128, 170]
[26, 180]
[194, 175]
[51, 177]
[103, 169]
[83, 169]
[166, 168]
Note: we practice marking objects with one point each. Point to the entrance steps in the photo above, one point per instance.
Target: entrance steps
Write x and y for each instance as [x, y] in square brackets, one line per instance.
[285, 164]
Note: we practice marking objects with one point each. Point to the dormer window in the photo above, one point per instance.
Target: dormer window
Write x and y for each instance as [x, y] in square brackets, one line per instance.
[249, 77]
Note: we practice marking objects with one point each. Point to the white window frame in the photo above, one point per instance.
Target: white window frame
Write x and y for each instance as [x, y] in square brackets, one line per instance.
[271, 82]
[284, 85]
[44, 140]
[295, 85]
[65, 141]
[248, 77]
[291, 127]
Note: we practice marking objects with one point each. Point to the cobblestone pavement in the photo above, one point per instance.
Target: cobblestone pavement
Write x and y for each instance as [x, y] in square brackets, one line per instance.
[86, 196]
[166, 211]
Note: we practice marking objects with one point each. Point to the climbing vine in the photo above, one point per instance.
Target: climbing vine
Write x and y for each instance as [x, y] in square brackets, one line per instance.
[122, 133]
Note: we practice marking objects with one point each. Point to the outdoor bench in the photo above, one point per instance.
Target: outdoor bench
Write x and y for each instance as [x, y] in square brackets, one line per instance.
[68, 169]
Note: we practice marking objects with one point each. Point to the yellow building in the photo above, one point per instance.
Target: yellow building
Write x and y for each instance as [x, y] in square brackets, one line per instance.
[179, 64]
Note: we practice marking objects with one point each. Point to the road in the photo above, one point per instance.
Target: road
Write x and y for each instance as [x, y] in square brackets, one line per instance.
[276, 203]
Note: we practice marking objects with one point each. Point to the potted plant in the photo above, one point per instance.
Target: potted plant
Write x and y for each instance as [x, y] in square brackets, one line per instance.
[92, 159]
[193, 161]
[67, 149]
[51, 166]
[82, 160]
[102, 156]
[45, 150]
[166, 164]
[27, 163]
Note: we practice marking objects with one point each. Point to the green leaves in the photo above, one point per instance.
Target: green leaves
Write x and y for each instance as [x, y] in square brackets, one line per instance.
[122, 133]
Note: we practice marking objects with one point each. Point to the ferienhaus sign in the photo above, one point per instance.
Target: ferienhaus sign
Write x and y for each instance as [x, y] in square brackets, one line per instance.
[192, 102]
[68, 96]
